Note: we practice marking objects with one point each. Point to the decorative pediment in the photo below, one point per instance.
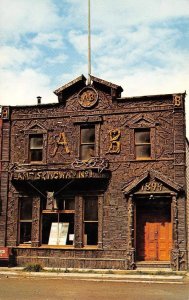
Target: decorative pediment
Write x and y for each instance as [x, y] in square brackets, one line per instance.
[80, 83]
[70, 88]
[141, 122]
[35, 126]
[151, 182]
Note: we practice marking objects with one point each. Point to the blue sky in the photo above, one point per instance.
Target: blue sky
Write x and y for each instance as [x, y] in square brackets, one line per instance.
[142, 45]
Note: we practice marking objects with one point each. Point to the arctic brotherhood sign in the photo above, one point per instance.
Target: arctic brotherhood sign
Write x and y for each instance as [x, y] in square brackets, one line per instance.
[58, 174]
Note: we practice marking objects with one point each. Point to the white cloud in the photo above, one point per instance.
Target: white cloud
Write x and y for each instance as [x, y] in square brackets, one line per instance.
[58, 59]
[111, 15]
[52, 40]
[18, 17]
[12, 57]
[22, 88]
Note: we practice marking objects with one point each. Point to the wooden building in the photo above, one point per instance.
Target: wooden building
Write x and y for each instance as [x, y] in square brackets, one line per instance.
[96, 180]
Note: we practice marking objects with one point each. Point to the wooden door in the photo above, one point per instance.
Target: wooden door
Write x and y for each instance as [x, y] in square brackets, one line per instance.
[164, 242]
[154, 236]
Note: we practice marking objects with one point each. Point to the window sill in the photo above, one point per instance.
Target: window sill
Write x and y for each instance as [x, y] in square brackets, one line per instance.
[144, 159]
[36, 162]
[24, 246]
[65, 211]
[65, 247]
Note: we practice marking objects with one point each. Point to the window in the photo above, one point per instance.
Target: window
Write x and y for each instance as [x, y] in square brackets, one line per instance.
[25, 220]
[87, 145]
[58, 217]
[36, 147]
[90, 220]
[142, 144]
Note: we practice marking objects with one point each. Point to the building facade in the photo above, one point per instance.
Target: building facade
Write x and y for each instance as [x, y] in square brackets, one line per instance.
[95, 180]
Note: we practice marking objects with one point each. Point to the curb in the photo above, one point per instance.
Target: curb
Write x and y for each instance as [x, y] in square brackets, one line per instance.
[96, 277]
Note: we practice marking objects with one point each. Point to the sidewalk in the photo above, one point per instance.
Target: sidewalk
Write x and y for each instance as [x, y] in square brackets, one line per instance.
[100, 275]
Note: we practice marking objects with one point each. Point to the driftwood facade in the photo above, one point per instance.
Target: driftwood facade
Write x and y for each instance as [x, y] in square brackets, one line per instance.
[95, 180]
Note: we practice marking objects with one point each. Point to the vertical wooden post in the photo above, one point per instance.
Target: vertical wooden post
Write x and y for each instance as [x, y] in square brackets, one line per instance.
[78, 222]
[130, 247]
[175, 249]
[13, 217]
[100, 221]
[36, 217]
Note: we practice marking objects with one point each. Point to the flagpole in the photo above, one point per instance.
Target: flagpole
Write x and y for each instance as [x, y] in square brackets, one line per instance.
[89, 41]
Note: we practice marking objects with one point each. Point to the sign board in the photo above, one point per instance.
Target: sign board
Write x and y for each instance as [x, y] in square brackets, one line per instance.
[4, 253]
[57, 174]
[58, 234]
[71, 238]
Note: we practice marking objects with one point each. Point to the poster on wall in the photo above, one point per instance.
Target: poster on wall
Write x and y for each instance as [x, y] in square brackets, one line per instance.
[58, 234]
[51, 202]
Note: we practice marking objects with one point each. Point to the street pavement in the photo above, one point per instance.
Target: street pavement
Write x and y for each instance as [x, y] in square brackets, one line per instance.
[21, 288]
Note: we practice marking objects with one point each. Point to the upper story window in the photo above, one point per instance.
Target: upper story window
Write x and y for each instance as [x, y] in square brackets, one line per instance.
[142, 144]
[36, 148]
[87, 142]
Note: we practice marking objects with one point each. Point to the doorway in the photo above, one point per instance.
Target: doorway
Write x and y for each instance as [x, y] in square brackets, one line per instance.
[153, 230]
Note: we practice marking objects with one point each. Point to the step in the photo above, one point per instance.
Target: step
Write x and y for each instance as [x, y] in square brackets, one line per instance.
[153, 265]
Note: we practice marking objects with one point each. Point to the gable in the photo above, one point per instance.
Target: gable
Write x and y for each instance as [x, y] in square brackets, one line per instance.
[35, 126]
[80, 83]
[141, 121]
[151, 182]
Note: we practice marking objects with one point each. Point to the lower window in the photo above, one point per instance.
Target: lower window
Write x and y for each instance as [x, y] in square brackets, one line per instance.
[58, 222]
[91, 220]
[25, 223]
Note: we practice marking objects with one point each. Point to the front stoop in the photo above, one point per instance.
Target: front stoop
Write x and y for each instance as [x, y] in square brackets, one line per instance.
[153, 266]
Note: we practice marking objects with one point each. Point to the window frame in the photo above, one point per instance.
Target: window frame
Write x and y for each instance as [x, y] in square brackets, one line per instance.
[35, 129]
[90, 221]
[87, 126]
[21, 221]
[58, 213]
[42, 148]
[142, 144]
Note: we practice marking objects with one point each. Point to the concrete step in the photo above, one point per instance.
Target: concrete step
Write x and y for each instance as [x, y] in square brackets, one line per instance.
[153, 265]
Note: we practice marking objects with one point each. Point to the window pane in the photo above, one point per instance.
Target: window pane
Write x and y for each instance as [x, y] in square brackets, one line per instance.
[25, 232]
[142, 136]
[48, 219]
[69, 204]
[87, 151]
[91, 209]
[88, 135]
[91, 234]
[36, 155]
[36, 142]
[66, 204]
[143, 151]
[68, 218]
[26, 209]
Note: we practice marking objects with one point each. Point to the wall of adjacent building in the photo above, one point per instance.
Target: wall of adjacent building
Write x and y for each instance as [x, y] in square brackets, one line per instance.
[187, 187]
